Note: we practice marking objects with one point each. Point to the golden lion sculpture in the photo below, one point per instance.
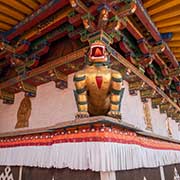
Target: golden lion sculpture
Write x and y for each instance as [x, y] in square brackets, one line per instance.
[98, 87]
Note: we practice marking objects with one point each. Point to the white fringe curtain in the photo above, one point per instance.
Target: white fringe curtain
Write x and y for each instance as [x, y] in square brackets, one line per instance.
[97, 156]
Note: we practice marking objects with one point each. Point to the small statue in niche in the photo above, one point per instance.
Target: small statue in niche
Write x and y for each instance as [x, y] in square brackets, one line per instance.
[98, 87]
[23, 113]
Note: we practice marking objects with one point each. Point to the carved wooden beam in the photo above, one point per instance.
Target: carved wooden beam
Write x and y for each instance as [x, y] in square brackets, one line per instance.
[145, 79]
[46, 67]
[130, 77]
[148, 93]
[135, 86]
[164, 107]
[155, 102]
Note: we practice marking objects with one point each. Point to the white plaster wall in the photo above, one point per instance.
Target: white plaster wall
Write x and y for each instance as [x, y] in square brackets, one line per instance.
[158, 121]
[174, 128]
[52, 105]
[132, 109]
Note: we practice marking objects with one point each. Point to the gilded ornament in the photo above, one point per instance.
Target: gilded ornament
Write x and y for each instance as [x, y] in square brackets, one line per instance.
[98, 87]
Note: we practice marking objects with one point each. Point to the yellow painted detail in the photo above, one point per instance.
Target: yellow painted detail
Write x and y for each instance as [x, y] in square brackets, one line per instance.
[114, 107]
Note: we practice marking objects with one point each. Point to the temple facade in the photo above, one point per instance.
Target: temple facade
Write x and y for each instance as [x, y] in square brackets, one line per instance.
[89, 89]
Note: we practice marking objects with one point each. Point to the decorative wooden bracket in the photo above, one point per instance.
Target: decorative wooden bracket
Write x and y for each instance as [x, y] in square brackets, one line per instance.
[79, 6]
[135, 86]
[7, 97]
[59, 78]
[29, 89]
[148, 93]
[176, 116]
[130, 77]
[100, 35]
[157, 48]
[164, 107]
[157, 101]
[6, 47]
[146, 60]
[171, 112]
[88, 22]
[165, 82]
[126, 10]
[175, 95]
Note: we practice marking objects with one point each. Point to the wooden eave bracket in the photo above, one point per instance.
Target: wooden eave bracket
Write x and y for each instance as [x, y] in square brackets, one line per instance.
[29, 89]
[7, 97]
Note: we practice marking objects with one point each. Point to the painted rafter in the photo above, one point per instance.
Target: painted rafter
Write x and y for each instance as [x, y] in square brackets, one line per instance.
[174, 43]
[162, 6]
[32, 20]
[149, 3]
[168, 22]
[145, 19]
[166, 14]
[176, 36]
